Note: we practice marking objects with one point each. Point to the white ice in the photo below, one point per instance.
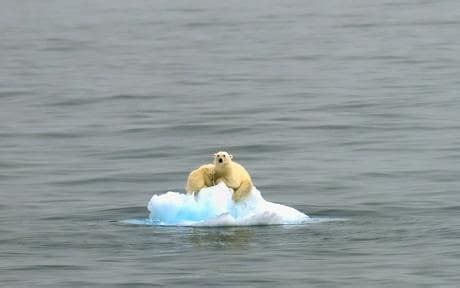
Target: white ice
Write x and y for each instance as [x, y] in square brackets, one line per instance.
[214, 207]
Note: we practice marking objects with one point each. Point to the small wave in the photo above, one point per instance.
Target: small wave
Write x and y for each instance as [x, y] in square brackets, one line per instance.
[154, 222]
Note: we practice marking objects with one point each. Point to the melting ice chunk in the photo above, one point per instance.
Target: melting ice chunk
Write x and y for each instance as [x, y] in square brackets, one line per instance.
[214, 207]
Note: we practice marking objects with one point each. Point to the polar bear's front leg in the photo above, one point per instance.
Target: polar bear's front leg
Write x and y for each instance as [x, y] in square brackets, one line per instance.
[242, 191]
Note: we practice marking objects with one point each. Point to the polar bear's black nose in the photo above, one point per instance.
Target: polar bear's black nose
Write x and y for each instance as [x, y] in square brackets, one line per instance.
[220, 160]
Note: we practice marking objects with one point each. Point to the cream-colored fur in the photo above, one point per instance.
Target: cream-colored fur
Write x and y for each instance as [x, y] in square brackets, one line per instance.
[200, 178]
[233, 175]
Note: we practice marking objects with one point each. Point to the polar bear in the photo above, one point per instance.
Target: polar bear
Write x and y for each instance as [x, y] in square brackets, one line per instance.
[232, 174]
[200, 178]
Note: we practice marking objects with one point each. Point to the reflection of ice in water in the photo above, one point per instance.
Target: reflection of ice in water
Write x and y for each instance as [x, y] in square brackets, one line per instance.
[214, 207]
[229, 237]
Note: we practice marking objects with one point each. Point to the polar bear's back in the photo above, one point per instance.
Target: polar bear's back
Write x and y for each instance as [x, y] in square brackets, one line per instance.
[200, 178]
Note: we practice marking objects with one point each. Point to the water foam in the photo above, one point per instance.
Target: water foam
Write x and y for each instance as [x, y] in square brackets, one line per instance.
[214, 207]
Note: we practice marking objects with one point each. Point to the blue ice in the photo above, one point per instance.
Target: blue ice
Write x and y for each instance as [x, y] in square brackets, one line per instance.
[214, 207]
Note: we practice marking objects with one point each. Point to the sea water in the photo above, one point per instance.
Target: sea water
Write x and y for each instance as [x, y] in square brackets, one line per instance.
[213, 206]
[341, 109]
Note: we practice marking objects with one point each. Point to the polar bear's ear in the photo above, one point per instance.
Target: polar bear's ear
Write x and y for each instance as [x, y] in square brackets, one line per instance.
[230, 155]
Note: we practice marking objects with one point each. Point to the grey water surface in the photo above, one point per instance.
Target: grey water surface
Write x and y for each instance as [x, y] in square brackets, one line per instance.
[341, 109]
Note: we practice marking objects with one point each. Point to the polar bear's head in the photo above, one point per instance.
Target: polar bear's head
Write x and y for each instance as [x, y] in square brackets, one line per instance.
[222, 158]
